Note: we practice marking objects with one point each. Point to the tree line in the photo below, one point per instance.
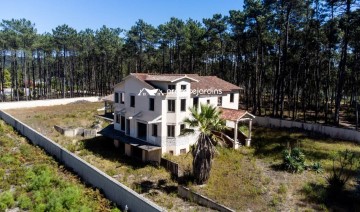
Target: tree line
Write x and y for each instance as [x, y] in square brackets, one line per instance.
[295, 59]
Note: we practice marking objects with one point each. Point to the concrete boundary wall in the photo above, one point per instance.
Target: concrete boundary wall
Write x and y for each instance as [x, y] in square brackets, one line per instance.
[202, 200]
[47, 102]
[333, 132]
[113, 190]
[172, 167]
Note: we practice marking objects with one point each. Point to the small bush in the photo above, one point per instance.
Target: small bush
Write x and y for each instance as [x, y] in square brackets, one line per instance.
[347, 162]
[294, 160]
[314, 192]
[317, 167]
[40, 177]
[24, 202]
[282, 189]
[3, 207]
[7, 199]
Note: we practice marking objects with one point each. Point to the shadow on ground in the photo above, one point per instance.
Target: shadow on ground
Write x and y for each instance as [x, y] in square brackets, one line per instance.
[162, 185]
[104, 147]
[320, 195]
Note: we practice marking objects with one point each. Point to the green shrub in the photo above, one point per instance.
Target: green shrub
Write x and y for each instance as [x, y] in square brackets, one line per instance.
[317, 167]
[3, 207]
[347, 162]
[24, 202]
[40, 207]
[71, 197]
[7, 198]
[39, 177]
[294, 160]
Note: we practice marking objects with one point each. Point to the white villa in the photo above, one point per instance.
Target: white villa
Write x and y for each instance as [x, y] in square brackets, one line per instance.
[149, 110]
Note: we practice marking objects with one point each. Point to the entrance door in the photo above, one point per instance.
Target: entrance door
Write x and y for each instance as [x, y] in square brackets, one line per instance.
[142, 130]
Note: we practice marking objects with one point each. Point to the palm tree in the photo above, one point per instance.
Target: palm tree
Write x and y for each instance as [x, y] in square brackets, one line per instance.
[210, 126]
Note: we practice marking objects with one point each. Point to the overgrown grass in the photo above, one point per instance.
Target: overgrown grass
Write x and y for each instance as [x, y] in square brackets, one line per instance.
[251, 178]
[269, 144]
[33, 181]
[154, 183]
[235, 180]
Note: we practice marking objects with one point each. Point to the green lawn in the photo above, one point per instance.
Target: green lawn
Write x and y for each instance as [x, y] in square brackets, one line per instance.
[33, 181]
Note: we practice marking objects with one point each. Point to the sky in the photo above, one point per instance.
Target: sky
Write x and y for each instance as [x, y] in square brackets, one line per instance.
[82, 14]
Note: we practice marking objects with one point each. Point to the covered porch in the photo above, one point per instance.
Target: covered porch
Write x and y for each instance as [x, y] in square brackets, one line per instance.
[233, 119]
[133, 147]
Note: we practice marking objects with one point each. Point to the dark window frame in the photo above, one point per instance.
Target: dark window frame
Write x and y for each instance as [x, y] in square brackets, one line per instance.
[151, 104]
[231, 97]
[195, 102]
[172, 106]
[183, 105]
[132, 100]
[116, 97]
[122, 123]
[171, 87]
[121, 98]
[155, 130]
[220, 100]
[170, 131]
[182, 127]
[183, 87]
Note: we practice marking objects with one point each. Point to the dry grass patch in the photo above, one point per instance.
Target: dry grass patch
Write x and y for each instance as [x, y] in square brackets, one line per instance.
[153, 182]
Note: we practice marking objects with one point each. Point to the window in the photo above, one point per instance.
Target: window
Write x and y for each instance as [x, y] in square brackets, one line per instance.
[117, 118]
[231, 97]
[182, 127]
[195, 102]
[182, 151]
[154, 130]
[151, 104]
[132, 101]
[183, 87]
[122, 123]
[122, 98]
[171, 87]
[183, 105]
[171, 105]
[116, 97]
[219, 101]
[171, 152]
[171, 131]
[208, 101]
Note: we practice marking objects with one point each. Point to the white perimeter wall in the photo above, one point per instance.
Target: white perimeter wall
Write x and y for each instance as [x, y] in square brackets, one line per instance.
[47, 102]
[333, 132]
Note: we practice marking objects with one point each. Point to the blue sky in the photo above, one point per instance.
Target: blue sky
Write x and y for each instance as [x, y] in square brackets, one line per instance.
[81, 14]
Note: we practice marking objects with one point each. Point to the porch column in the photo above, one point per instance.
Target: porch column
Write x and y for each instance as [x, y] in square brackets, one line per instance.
[236, 144]
[248, 140]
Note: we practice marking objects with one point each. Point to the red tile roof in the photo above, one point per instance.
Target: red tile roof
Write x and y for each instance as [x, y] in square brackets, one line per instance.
[213, 82]
[203, 82]
[233, 115]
